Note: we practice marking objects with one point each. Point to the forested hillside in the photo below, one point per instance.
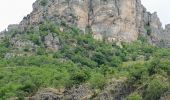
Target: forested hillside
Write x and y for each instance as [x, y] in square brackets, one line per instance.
[80, 60]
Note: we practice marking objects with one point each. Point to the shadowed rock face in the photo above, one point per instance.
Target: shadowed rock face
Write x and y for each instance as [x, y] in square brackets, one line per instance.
[113, 20]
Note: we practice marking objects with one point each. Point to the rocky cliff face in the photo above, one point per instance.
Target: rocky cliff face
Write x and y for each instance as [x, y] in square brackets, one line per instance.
[112, 20]
[166, 36]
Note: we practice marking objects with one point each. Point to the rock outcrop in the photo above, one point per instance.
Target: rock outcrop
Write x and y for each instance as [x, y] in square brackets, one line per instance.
[113, 20]
[166, 36]
[116, 89]
[51, 42]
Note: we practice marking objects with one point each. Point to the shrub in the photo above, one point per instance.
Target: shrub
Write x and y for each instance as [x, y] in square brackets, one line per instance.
[62, 79]
[28, 88]
[97, 80]
[138, 74]
[35, 38]
[134, 96]
[79, 76]
[142, 38]
[156, 88]
[154, 66]
[41, 51]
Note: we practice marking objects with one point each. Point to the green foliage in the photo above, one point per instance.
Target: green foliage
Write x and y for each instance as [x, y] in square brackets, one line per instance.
[35, 38]
[134, 96]
[154, 67]
[142, 38]
[4, 47]
[138, 74]
[79, 76]
[28, 88]
[41, 51]
[81, 59]
[97, 80]
[156, 88]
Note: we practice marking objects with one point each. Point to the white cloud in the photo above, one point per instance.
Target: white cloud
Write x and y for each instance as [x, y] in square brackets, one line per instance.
[12, 11]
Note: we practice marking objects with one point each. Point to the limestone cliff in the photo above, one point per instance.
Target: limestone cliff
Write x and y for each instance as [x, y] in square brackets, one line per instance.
[166, 36]
[113, 20]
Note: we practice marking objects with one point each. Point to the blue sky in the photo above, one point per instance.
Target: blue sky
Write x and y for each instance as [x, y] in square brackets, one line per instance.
[12, 11]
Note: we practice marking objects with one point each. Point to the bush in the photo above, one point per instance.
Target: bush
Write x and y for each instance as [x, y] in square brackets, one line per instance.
[97, 80]
[99, 58]
[142, 38]
[138, 74]
[28, 88]
[35, 38]
[134, 96]
[62, 79]
[156, 88]
[41, 51]
[79, 76]
[154, 66]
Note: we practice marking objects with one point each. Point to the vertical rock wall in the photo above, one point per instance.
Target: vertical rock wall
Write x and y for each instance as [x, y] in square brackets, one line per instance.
[112, 20]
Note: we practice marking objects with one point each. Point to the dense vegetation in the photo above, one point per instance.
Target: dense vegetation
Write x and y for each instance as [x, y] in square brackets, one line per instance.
[81, 59]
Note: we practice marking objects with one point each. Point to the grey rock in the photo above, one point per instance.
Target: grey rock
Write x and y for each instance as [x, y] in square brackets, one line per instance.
[113, 20]
[12, 27]
[75, 93]
[166, 36]
[47, 94]
[9, 55]
[78, 93]
[21, 43]
[116, 89]
[52, 42]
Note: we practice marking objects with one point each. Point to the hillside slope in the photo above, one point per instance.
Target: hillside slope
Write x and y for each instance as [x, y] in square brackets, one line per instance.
[70, 65]
[83, 50]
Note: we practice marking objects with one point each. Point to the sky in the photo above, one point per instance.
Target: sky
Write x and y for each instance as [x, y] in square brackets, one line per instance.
[13, 11]
[162, 7]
